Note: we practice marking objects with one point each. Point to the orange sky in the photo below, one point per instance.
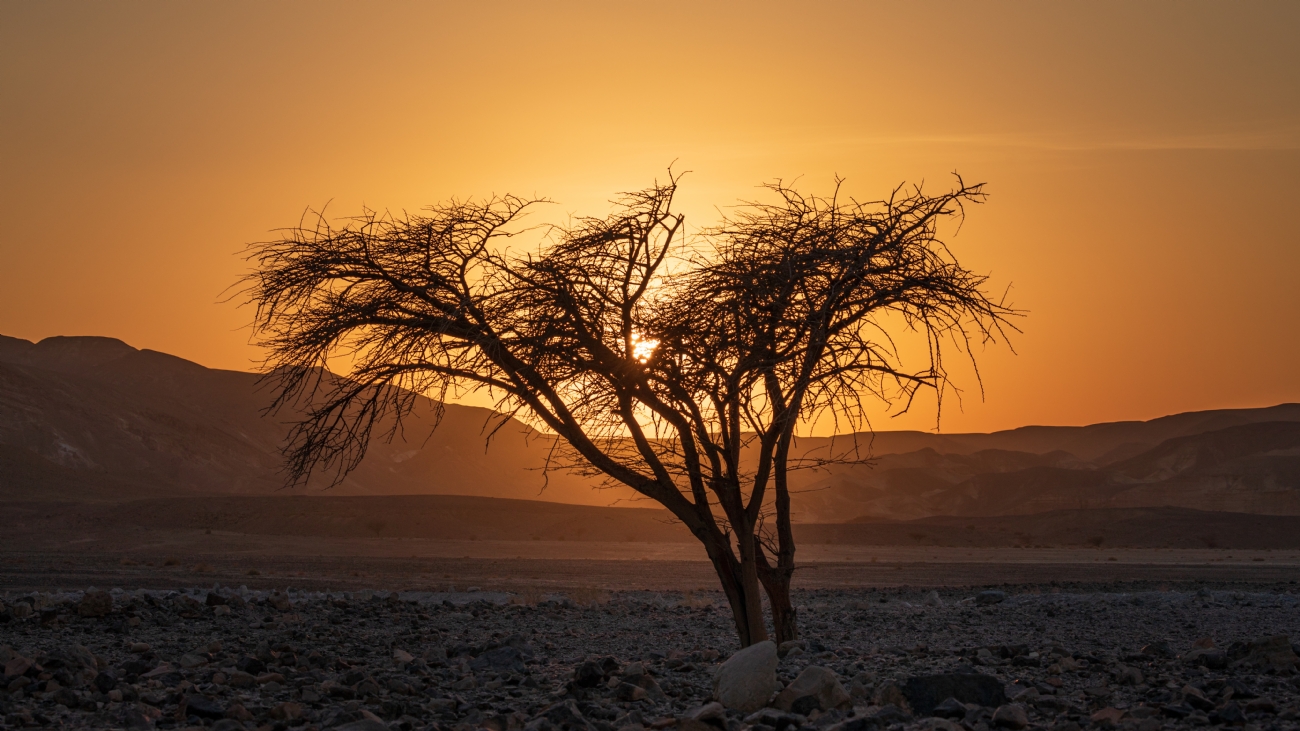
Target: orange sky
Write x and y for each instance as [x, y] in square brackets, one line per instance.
[1143, 158]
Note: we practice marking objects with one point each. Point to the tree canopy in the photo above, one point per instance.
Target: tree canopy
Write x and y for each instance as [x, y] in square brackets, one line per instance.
[677, 366]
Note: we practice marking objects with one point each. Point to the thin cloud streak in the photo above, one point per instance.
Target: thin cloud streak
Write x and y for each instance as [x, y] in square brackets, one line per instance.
[1286, 139]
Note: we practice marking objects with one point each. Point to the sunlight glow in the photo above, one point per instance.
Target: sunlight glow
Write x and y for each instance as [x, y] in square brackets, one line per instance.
[643, 349]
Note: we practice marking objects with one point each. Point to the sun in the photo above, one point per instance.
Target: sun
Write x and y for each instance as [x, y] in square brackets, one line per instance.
[643, 349]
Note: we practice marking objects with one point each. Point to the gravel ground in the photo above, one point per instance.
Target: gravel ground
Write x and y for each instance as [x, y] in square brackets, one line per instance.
[1065, 658]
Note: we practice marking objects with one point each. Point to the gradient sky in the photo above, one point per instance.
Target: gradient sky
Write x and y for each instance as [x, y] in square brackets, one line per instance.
[1143, 159]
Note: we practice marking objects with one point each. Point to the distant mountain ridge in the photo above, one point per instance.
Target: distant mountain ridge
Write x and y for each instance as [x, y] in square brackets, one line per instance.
[87, 418]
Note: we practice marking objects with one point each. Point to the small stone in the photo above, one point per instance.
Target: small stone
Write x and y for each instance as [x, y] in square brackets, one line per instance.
[628, 692]
[365, 724]
[1011, 715]
[238, 712]
[709, 717]
[1107, 716]
[889, 694]
[1230, 714]
[925, 692]
[1129, 676]
[1270, 653]
[1261, 705]
[565, 715]
[95, 604]
[190, 660]
[587, 675]
[889, 715]
[950, 708]
[1159, 648]
[287, 711]
[790, 645]
[139, 648]
[747, 680]
[816, 688]
[863, 685]
[991, 596]
[203, 707]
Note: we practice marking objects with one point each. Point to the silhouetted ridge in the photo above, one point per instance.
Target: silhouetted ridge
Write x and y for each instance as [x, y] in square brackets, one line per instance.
[94, 418]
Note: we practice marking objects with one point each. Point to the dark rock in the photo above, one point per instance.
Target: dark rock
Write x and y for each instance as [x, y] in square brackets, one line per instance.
[628, 692]
[105, 681]
[1270, 653]
[204, 707]
[1230, 714]
[991, 596]
[365, 724]
[95, 604]
[72, 658]
[815, 689]
[1196, 699]
[66, 696]
[215, 600]
[1159, 648]
[563, 715]
[925, 692]
[588, 675]
[1011, 715]
[250, 665]
[502, 659]
[949, 708]
[1239, 689]
[889, 715]
[139, 666]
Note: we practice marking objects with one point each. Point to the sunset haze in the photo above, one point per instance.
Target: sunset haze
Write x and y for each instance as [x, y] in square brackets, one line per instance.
[1142, 160]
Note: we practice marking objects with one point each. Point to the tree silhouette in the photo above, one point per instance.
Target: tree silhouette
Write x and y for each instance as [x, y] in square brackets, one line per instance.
[678, 368]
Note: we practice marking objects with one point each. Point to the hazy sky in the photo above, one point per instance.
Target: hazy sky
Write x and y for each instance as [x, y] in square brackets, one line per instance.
[1143, 159]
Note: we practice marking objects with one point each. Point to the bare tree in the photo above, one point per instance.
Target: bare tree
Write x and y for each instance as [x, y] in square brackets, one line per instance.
[679, 369]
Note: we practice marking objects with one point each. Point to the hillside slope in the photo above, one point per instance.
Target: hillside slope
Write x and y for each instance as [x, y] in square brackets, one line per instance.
[85, 418]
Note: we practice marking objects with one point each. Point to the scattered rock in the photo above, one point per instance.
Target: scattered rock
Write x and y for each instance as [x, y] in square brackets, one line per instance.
[747, 680]
[1107, 716]
[203, 708]
[1011, 715]
[95, 604]
[924, 693]
[815, 689]
[1270, 653]
[950, 708]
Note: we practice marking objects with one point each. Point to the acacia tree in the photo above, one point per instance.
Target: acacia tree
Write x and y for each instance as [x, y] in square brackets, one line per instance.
[678, 369]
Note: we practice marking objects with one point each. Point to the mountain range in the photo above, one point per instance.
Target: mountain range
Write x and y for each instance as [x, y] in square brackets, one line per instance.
[94, 419]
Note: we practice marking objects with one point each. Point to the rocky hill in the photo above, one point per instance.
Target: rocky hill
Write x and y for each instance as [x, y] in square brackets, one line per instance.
[85, 418]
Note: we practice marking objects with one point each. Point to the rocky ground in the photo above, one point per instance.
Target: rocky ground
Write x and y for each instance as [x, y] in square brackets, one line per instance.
[1063, 658]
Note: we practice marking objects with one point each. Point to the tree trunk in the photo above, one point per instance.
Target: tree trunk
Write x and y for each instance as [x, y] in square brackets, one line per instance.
[749, 581]
[743, 593]
[776, 582]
